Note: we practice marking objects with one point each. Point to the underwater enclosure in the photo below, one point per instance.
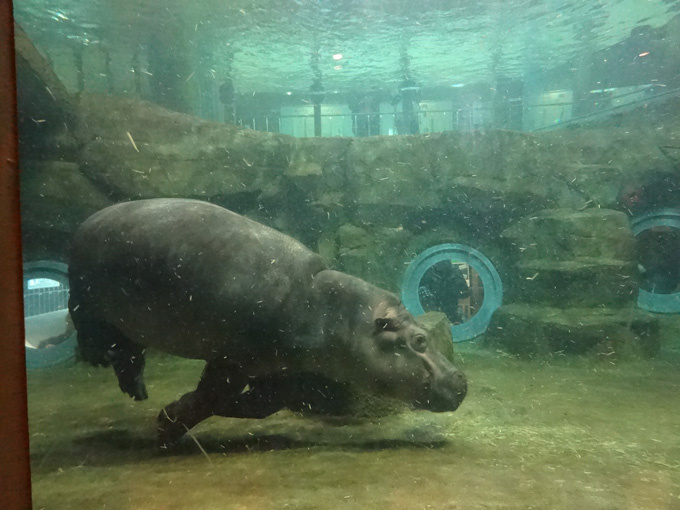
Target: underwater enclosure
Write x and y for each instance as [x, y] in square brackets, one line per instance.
[452, 280]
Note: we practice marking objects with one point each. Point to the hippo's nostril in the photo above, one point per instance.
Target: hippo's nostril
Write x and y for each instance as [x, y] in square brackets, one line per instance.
[462, 388]
[444, 393]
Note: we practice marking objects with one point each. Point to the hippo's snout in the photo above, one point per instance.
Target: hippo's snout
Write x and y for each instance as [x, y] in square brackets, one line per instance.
[444, 393]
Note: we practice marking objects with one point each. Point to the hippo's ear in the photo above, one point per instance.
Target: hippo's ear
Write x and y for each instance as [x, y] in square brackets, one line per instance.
[386, 324]
[387, 318]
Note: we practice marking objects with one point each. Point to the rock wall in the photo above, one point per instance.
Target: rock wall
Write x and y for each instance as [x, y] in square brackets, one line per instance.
[368, 205]
[402, 192]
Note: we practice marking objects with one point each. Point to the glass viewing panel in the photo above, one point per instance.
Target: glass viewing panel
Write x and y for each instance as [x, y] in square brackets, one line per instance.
[449, 277]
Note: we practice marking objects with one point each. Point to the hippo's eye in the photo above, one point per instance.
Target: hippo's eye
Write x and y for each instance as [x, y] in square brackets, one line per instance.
[419, 343]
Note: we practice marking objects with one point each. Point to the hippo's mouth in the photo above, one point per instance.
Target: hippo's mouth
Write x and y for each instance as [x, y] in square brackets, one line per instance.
[442, 396]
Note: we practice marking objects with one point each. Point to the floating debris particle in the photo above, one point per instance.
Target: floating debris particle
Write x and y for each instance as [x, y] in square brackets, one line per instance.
[132, 141]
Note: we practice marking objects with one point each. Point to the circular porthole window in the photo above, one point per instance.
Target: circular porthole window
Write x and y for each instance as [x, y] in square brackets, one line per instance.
[50, 336]
[658, 236]
[457, 280]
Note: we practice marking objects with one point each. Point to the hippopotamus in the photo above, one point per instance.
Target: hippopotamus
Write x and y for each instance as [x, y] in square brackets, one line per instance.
[198, 281]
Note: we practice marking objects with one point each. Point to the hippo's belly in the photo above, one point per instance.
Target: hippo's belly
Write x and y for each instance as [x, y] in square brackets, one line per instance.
[192, 279]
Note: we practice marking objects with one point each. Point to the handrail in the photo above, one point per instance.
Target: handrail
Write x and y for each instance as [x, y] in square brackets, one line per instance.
[614, 109]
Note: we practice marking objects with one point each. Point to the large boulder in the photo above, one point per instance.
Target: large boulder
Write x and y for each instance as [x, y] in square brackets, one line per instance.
[134, 149]
[493, 171]
[375, 253]
[55, 197]
[392, 179]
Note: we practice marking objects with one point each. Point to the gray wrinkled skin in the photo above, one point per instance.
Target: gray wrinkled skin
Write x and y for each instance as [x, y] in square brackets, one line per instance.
[198, 281]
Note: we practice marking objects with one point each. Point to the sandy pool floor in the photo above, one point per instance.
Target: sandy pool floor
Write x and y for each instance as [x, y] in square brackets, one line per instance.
[559, 433]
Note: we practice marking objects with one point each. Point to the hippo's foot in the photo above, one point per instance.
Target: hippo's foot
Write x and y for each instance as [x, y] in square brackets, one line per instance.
[128, 363]
[101, 344]
[133, 385]
[176, 419]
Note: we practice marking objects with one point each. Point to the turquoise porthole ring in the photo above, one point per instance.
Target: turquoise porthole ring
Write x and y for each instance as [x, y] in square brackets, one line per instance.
[491, 282]
[651, 301]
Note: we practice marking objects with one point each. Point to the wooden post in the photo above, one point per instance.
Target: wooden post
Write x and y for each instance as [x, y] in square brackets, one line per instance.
[15, 478]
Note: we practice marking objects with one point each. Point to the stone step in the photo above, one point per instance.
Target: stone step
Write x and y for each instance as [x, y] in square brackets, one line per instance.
[529, 330]
[565, 234]
[585, 282]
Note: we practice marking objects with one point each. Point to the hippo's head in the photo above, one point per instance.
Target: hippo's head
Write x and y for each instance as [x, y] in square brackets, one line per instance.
[374, 341]
[401, 361]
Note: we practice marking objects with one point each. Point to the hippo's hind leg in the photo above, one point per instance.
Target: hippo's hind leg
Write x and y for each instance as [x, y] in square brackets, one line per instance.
[222, 391]
[217, 381]
[261, 397]
[101, 344]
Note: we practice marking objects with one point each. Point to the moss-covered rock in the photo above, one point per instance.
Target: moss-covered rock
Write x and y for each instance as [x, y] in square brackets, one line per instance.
[592, 161]
[133, 153]
[321, 157]
[122, 172]
[438, 329]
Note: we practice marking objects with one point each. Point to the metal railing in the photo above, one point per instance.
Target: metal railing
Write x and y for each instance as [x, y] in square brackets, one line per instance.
[39, 301]
[461, 119]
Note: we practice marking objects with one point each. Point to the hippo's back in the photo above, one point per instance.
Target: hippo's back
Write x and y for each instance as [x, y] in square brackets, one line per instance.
[189, 277]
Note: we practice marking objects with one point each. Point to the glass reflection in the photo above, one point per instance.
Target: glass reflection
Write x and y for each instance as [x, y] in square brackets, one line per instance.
[452, 287]
[658, 259]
